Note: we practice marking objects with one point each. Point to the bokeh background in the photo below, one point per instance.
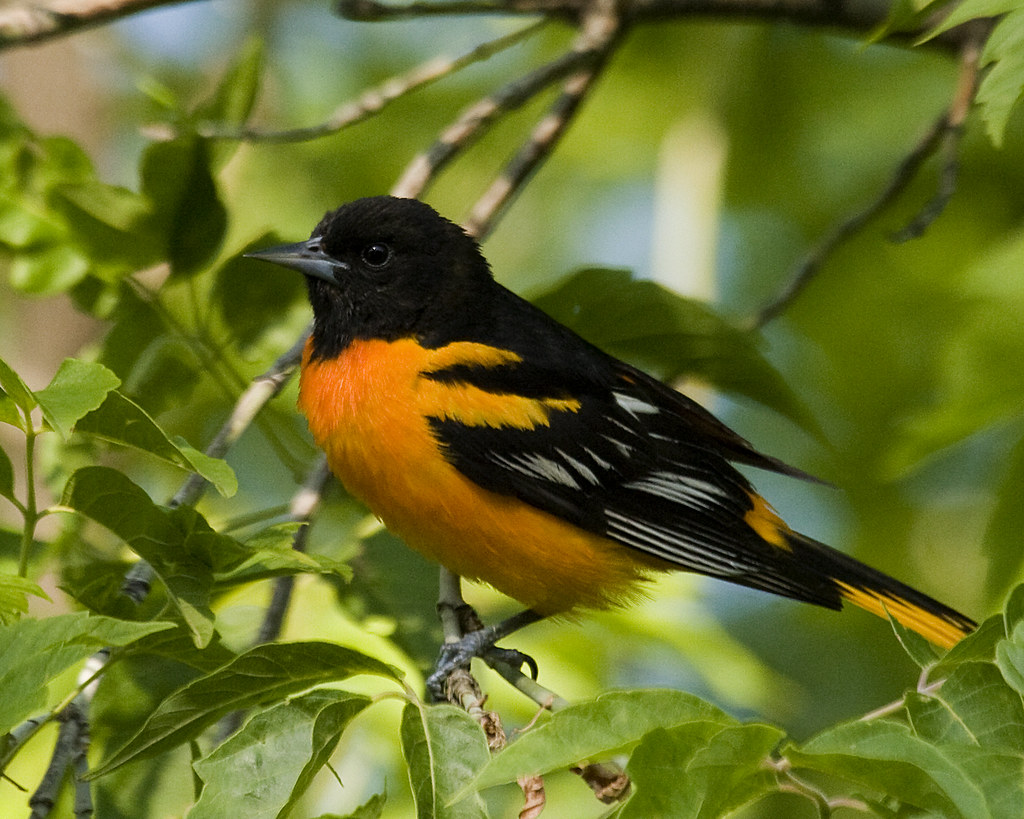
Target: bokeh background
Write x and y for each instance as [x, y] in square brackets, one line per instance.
[713, 157]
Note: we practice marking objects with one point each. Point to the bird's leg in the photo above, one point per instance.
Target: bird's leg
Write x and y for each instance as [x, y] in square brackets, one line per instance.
[465, 637]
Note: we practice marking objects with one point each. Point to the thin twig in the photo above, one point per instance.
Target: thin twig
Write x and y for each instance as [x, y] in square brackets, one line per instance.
[476, 119]
[30, 22]
[949, 149]
[599, 34]
[848, 228]
[371, 101]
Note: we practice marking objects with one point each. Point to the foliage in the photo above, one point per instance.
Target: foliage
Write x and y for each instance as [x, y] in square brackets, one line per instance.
[896, 374]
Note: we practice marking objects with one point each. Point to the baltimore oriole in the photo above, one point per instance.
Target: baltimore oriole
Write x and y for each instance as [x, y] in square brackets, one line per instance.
[500, 444]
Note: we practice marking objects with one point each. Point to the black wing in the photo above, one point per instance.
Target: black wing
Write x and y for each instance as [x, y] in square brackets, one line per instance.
[636, 462]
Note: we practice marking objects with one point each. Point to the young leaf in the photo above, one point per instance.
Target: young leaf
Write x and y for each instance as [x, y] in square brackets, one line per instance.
[700, 769]
[597, 728]
[122, 421]
[78, 388]
[14, 592]
[262, 675]
[974, 706]
[886, 757]
[445, 749]
[15, 388]
[33, 653]
[261, 771]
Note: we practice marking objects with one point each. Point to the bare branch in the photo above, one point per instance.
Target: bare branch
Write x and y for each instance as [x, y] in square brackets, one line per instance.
[373, 100]
[599, 35]
[30, 23]
[949, 149]
[476, 119]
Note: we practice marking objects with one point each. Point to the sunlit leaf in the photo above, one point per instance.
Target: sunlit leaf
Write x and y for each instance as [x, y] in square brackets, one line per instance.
[444, 748]
[14, 592]
[33, 653]
[260, 676]
[122, 421]
[700, 769]
[76, 389]
[264, 768]
[599, 727]
[886, 757]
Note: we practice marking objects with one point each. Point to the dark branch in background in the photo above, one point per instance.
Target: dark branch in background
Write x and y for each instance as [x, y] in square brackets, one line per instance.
[952, 134]
[28, 23]
[945, 135]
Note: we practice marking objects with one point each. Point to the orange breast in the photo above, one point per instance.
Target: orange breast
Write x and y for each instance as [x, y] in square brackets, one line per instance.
[368, 410]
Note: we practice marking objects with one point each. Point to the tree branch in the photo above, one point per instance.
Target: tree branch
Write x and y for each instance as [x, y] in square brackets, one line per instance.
[32, 23]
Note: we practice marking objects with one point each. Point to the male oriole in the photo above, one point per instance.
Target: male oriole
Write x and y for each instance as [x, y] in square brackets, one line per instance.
[502, 445]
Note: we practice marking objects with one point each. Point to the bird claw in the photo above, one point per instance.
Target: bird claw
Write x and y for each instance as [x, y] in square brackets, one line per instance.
[458, 654]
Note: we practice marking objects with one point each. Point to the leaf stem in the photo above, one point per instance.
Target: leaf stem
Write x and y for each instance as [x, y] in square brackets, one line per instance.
[30, 510]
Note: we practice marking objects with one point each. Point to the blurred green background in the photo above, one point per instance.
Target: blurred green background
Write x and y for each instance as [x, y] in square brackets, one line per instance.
[712, 157]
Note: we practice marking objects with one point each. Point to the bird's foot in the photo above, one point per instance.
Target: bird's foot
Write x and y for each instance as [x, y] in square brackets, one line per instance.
[479, 643]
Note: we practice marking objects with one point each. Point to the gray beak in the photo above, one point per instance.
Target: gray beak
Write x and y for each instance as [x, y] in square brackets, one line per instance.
[307, 257]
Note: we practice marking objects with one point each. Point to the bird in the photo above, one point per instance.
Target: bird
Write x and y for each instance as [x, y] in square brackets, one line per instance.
[503, 446]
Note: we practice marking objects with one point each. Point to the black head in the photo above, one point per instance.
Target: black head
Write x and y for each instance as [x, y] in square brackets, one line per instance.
[386, 268]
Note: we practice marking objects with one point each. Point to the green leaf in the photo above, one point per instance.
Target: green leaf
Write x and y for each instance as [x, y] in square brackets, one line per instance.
[122, 421]
[700, 769]
[173, 542]
[445, 748]
[6, 476]
[9, 412]
[33, 653]
[602, 726]
[1001, 544]
[974, 706]
[234, 98]
[273, 556]
[886, 757]
[78, 388]
[261, 771]
[264, 674]
[1002, 85]
[14, 592]
[249, 299]
[669, 335]
[923, 653]
[48, 270]
[15, 388]
[1010, 659]
[372, 808]
[187, 212]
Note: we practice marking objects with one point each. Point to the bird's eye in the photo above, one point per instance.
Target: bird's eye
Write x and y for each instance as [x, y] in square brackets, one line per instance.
[376, 255]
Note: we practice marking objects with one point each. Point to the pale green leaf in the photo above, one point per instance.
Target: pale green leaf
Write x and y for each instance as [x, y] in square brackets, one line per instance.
[120, 420]
[262, 770]
[445, 749]
[35, 652]
[76, 389]
[700, 769]
[587, 730]
[14, 592]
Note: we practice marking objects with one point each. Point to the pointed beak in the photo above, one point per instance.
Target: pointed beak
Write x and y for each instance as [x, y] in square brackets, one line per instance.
[307, 257]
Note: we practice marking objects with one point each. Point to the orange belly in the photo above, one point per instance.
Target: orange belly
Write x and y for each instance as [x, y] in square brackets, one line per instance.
[368, 411]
